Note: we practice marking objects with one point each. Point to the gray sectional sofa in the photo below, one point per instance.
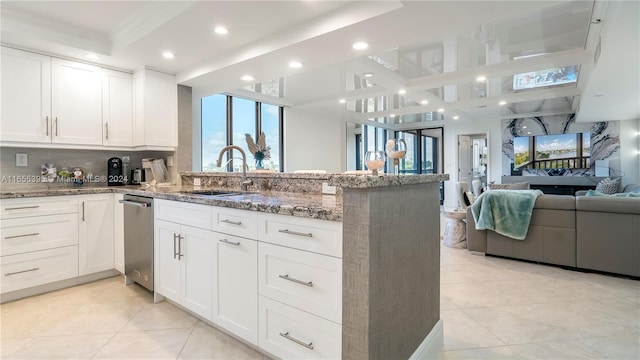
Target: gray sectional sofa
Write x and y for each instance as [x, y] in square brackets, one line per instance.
[592, 233]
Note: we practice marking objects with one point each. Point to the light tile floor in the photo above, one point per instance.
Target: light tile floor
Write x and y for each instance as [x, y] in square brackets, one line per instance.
[492, 308]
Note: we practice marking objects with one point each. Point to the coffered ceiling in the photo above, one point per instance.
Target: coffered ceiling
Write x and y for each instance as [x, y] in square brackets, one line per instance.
[431, 51]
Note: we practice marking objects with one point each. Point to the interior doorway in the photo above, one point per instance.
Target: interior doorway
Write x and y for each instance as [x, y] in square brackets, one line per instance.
[473, 160]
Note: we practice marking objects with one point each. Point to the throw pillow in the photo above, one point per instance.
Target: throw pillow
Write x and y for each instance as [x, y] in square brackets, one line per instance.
[469, 198]
[609, 186]
[512, 186]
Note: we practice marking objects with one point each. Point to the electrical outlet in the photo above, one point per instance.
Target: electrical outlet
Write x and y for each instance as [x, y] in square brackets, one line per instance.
[22, 159]
[327, 189]
[196, 181]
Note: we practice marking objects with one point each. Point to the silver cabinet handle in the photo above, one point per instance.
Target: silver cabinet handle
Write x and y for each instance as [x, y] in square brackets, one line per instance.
[229, 242]
[23, 207]
[46, 129]
[20, 272]
[175, 237]
[285, 231]
[19, 236]
[134, 203]
[106, 125]
[83, 211]
[56, 126]
[231, 222]
[287, 277]
[180, 254]
[289, 337]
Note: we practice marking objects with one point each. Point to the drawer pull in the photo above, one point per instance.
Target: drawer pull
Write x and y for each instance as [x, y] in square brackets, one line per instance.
[285, 231]
[20, 272]
[231, 222]
[19, 236]
[289, 337]
[287, 277]
[229, 242]
[23, 207]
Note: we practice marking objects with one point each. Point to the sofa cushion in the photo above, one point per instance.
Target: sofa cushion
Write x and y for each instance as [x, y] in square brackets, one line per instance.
[607, 204]
[609, 186]
[512, 186]
[556, 202]
[622, 194]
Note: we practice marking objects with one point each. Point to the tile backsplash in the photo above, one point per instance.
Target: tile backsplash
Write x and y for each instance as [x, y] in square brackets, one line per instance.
[91, 161]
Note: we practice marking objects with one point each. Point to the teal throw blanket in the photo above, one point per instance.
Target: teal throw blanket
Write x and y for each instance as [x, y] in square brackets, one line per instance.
[507, 212]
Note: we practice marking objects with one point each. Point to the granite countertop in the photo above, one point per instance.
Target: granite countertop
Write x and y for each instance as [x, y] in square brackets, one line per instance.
[326, 207]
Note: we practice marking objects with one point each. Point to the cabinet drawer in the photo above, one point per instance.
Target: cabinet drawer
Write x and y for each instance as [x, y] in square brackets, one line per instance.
[39, 267]
[38, 233]
[319, 236]
[195, 215]
[235, 222]
[290, 333]
[307, 281]
[52, 205]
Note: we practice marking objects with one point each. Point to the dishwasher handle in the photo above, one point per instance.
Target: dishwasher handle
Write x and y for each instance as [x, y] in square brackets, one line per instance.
[135, 203]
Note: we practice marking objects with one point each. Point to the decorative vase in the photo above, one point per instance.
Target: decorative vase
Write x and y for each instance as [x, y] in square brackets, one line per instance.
[374, 161]
[259, 164]
[396, 150]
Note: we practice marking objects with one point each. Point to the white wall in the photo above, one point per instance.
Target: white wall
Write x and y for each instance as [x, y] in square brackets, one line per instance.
[629, 147]
[313, 142]
[494, 140]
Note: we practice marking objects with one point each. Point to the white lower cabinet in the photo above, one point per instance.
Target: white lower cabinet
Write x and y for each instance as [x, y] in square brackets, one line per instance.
[35, 268]
[96, 233]
[305, 280]
[290, 333]
[118, 236]
[184, 265]
[27, 234]
[235, 300]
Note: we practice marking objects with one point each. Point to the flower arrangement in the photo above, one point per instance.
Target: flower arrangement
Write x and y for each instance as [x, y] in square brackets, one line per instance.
[260, 150]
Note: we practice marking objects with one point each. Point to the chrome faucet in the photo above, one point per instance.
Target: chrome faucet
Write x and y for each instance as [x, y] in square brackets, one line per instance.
[244, 183]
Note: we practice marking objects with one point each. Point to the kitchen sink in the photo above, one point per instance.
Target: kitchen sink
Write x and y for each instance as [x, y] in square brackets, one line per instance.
[212, 192]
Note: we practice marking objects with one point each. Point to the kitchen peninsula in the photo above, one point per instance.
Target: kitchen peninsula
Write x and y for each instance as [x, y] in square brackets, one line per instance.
[388, 257]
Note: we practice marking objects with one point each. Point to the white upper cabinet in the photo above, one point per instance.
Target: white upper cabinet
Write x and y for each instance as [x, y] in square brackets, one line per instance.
[76, 103]
[26, 97]
[156, 109]
[117, 108]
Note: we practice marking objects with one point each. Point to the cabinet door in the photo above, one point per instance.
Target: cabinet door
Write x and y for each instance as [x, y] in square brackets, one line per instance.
[76, 103]
[26, 96]
[118, 221]
[167, 267]
[117, 108]
[156, 105]
[96, 241]
[235, 299]
[196, 252]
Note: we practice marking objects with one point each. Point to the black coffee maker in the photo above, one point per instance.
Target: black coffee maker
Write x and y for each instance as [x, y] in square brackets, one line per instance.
[114, 172]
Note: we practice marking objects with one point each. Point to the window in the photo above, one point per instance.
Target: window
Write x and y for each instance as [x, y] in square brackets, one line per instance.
[226, 120]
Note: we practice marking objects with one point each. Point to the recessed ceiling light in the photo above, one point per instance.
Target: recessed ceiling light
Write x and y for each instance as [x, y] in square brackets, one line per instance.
[342, 101]
[529, 132]
[440, 110]
[392, 115]
[502, 102]
[368, 74]
[424, 102]
[295, 64]
[360, 45]
[456, 117]
[168, 55]
[221, 30]
[481, 78]
[524, 127]
[92, 57]
[247, 78]
[402, 91]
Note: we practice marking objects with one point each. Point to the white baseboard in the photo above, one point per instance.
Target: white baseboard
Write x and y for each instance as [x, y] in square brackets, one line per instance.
[431, 345]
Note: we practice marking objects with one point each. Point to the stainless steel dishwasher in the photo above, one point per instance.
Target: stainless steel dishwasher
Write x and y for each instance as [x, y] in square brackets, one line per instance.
[138, 240]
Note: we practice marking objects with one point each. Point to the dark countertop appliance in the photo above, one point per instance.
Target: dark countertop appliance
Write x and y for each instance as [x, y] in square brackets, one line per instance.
[115, 177]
